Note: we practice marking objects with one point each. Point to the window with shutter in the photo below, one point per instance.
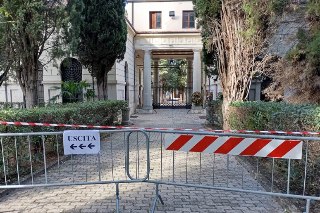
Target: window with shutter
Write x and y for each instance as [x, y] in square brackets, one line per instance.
[188, 19]
[155, 20]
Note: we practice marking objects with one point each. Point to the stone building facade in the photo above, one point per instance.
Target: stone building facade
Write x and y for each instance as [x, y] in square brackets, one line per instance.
[156, 30]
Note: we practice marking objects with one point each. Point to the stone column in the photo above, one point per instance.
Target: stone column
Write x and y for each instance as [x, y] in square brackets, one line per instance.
[156, 81]
[204, 83]
[189, 81]
[147, 101]
[196, 76]
[196, 71]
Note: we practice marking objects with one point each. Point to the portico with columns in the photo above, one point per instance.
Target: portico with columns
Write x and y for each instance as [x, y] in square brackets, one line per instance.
[155, 47]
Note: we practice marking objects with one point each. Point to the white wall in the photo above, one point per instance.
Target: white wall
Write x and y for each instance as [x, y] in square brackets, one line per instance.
[116, 77]
[142, 10]
[14, 92]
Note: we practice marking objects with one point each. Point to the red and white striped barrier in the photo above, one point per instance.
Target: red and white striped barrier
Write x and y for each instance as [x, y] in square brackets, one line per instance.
[290, 149]
[167, 129]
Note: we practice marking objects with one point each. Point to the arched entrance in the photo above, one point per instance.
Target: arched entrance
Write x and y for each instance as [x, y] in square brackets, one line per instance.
[71, 70]
[195, 76]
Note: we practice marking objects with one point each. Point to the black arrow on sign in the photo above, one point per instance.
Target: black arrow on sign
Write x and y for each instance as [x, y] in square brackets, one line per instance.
[91, 145]
[73, 146]
[82, 146]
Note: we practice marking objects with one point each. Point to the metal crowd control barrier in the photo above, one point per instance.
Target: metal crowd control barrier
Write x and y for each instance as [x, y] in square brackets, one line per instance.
[24, 161]
[182, 171]
[36, 160]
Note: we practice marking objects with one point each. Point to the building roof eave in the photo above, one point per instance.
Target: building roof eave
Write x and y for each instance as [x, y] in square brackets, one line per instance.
[131, 27]
[177, 33]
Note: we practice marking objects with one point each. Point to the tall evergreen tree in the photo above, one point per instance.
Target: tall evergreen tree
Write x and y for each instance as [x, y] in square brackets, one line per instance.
[26, 29]
[102, 36]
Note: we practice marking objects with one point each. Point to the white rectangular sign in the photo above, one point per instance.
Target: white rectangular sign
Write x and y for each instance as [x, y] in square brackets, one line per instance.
[81, 142]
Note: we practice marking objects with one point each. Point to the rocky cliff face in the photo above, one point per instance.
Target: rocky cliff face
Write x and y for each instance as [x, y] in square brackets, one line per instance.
[294, 78]
[284, 35]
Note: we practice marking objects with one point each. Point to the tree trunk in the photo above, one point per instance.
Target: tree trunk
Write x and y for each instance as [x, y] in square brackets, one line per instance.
[102, 85]
[236, 56]
[27, 76]
[31, 96]
[225, 113]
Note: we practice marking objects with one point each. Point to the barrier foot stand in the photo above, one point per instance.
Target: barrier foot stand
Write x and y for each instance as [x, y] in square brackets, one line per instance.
[117, 194]
[156, 199]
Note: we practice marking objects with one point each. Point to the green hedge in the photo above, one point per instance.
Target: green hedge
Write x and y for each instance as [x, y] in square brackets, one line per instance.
[283, 117]
[91, 113]
[274, 116]
[16, 105]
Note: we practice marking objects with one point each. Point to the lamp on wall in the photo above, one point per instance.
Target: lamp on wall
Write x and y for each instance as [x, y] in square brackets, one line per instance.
[171, 14]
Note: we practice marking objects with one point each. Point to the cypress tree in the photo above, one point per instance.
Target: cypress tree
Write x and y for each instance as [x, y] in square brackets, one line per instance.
[102, 36]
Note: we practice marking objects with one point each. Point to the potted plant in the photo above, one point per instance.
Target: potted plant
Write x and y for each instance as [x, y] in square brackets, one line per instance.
[196, 98]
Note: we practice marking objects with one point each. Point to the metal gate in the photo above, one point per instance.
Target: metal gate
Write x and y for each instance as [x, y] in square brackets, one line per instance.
[171, 98]
[188, 160]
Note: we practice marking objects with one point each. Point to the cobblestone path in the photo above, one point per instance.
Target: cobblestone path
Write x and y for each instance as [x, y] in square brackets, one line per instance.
[138, 197]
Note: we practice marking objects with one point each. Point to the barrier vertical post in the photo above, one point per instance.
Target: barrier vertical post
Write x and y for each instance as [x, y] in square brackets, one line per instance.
[72, 168]
[161, 154]
[173, 166]
[200, 170]
[288, 182]
[99, 166]
[214, 161]
[124, 146]
[257, 173]
[15, 144]
[58, 156]
[137, 157]
[4, 162]
[112, 164]
[272, 175]
[44, 158]
[30, 159]
[228, 156]
[305, 169]
[187, 168]
[242, 178]
[85, 162]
